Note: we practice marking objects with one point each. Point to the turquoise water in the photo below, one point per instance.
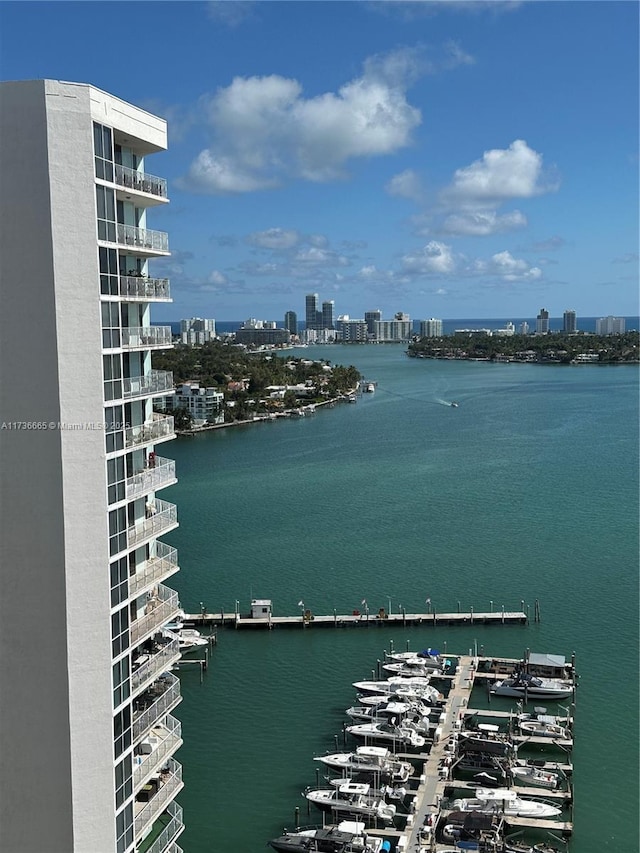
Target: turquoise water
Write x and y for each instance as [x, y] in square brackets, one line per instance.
[528, 490]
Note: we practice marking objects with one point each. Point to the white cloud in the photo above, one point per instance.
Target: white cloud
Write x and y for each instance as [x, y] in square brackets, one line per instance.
[500, 175]
[433, 259]
[504, 265]
[406, 184]
[274, 238]
[265, 132]
[315, 256]
[481, 223]
[217, 277]
[230, 12]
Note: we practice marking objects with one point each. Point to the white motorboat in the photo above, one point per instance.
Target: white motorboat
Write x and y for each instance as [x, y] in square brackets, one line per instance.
[523, 684]
[403, 735]
[389, 792]
[383, 712]
[427, 657]
[188, 638]
[369, 759]
[391, 685]
[534, 777]
[543, 725]
[410, 668]
[505, 801]
[354, 798]
[349, 836]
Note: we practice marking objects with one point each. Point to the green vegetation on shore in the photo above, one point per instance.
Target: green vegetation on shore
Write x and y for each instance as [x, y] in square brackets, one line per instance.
[557, 348]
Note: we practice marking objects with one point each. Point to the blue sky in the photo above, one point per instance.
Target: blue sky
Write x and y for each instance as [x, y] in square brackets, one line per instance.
[445, 159]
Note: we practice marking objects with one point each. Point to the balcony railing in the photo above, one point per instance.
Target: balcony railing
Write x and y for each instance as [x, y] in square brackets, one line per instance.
[155, 663]
[140, 337]
[140, 181]
[163, 740]
[164, 842]
[161, 697]
[156, 568]
[169, 785]
[160, 426]
[159, 610]
[143, 238]
[157, 474]
[152, 383]
[139, 288]
[161, 517]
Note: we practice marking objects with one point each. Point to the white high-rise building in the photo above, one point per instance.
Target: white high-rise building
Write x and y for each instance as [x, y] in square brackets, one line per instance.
[610, 326]
[87, 735]
[431, 328]
[196, 330]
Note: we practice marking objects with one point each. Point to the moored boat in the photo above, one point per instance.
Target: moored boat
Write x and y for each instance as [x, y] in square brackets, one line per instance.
[534, 777]
[543, 725]
[369, 759]
[402, 735]
[507, 802]
[523, 684]
[352, 798]
[347, 837]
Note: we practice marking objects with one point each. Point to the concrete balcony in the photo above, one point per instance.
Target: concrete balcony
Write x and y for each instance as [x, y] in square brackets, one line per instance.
[160, 608]
[146, 337]
[153, 384]
[140, 182]
[159, 428]
[157, 568]
[135, 288]
[161, 838]
[151, 754]
[148, 666]
[143, 240]
[155, 796]
[162, 517]
[155, 703]
[157, 474]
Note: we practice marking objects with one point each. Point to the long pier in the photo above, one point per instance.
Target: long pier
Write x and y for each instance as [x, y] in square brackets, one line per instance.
[369, 620]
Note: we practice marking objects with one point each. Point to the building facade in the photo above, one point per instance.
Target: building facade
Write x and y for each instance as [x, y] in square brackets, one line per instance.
[327, 314]
[196, 330]
[205, 405]
[312, 316]
[569, 323]
[542, 322]
[86, 709]
[371, 318]
[353, 331]
[431, 328]
[291, 322]
[610, 326]
[398, 329]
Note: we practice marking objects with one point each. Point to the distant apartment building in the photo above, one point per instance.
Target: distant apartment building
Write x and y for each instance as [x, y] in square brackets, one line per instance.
[261, 333]
[542, 322]
[291, 322]
[398, 329]
[196, 331]
[523, 329]
[610, 326]
[205, 405]
[371, 318]
[327, 314]
[473, 333]
[431, 328]
[88, 736]
[569, 323]
[312, 315]
[352, 331]
[506, 332]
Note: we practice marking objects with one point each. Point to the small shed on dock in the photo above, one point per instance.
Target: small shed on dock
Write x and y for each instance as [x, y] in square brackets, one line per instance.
[260, 608]
[547, 666]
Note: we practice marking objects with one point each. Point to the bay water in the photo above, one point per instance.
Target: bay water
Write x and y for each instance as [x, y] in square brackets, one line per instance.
[528, 490]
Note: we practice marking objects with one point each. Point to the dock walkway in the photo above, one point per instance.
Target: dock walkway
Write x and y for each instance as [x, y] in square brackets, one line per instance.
[362, 620]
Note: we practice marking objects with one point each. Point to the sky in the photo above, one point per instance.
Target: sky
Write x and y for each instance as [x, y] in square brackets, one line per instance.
[447, 159]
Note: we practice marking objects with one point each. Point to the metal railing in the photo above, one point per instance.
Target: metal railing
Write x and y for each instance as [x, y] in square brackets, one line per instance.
[140, 181]
[139, 288]
[160, 426]
[170, 832]
[164, 562]
[162, 516]
[154, 382]
[171, 784]
[159, 610]
[158, 473]
[167, 689]
[169, 737]
[143, 238]
[159, 662]
[146, 336]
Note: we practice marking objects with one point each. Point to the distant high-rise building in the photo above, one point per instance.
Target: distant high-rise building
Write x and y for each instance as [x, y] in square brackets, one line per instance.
[610, 326]
[197, 331]
[542, 322]
[431, 328]
[291, 322]
[353, 330]
[398, 329]
[311, 311]
[327, 314]
[524, 328]
[569, 325]
[371, 318]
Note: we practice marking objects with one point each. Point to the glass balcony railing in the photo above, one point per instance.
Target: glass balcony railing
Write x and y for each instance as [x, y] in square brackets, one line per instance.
[155, 703]
[155, 569]
[152, 383]
[162, 516]
[160, 426]
[140, 181]
[162, 840]
[141, 337]
[139, 288]
[143, 238]
[158, 473]
[159, 609]
[159, 660]
[161, 792]
[163, 740]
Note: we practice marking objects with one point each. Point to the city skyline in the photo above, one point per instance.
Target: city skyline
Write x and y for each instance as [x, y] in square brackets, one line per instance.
[435, 166]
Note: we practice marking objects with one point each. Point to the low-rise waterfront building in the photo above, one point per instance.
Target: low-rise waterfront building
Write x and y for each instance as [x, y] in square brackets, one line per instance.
[205, 405]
